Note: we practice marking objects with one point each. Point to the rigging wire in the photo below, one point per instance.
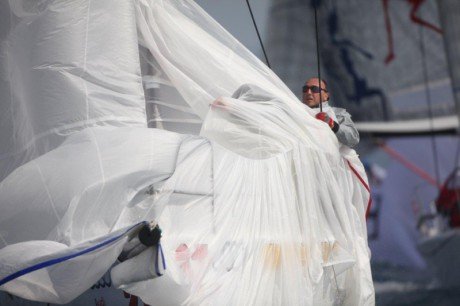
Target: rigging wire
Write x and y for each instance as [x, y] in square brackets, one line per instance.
[258, 35]
[318, 61]
[430, 107]
[446, 25]
[318, 55]
[266, 60]
[319, 79]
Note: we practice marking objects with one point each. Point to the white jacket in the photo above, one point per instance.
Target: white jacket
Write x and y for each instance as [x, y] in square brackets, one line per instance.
[346, 132]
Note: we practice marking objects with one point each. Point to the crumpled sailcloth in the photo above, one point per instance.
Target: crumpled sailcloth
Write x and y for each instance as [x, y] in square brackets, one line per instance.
[263, 207]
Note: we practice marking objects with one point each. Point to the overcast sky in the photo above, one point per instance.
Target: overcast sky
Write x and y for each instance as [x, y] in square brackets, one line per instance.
[234, 16]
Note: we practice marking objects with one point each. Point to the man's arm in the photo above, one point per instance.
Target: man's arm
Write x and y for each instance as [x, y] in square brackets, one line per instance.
[346, 133]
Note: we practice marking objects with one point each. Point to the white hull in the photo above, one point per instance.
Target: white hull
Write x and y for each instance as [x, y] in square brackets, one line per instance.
[442, 253]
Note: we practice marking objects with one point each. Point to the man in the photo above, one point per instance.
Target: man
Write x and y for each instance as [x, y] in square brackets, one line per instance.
[338, 119]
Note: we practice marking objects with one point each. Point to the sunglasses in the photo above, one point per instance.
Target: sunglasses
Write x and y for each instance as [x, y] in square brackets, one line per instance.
[314, 89]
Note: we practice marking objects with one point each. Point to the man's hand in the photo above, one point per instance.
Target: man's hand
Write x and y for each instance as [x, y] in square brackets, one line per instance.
[219, 104]
[325, 117]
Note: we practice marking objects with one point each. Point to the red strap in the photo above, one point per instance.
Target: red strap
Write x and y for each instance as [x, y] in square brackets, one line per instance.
[369, 203]
[416, 19]
[409, 165]
[390, 55]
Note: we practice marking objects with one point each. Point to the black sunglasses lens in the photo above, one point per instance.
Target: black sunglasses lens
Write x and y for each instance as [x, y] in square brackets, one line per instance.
[314, 89]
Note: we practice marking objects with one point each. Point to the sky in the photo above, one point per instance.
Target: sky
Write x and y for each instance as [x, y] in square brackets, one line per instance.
[234, 16]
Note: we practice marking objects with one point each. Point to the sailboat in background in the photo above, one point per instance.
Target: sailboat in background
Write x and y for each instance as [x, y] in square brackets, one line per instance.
[440, 231]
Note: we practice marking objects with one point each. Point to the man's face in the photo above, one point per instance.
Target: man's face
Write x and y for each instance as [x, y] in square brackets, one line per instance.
[311, 96]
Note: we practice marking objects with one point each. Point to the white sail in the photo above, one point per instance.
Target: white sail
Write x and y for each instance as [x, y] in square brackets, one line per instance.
[263, 207]
[61, 69]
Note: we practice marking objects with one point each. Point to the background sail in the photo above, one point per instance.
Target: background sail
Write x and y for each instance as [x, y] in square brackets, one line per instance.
[371, 55]
[449, 11]
[375, 55]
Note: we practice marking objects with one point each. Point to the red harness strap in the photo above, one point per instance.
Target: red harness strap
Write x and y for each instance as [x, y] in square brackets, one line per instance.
[369, 203]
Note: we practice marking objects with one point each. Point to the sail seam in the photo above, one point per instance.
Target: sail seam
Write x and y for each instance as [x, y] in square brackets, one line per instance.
[42, 178]
[69, 126]
[101, 168]
[85, 60]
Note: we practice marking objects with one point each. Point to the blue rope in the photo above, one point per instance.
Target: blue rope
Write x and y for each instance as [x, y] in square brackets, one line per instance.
[51, 262]
[160, 252]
